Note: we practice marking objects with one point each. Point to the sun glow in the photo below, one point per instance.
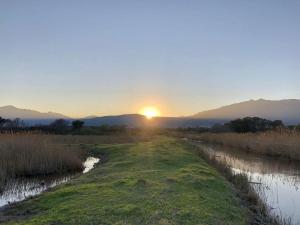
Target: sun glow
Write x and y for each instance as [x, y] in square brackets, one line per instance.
[150, 112]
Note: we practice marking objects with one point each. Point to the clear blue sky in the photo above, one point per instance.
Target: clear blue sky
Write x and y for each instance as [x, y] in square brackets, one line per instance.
[113, 57]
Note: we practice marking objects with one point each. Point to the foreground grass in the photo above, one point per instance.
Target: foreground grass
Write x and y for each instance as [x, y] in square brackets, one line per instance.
[157, 182]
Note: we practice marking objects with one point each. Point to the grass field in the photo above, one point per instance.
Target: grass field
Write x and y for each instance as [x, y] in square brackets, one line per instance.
[157, 182]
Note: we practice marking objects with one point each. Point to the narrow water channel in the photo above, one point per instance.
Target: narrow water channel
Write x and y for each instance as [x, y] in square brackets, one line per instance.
[21, 189]
[276, 181]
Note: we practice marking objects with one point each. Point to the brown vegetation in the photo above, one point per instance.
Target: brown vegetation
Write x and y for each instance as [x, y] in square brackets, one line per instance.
[36, 155]
[284, 143]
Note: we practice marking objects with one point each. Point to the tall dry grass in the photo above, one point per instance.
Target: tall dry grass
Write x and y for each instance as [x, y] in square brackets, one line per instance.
[283, 143]
[35, 155]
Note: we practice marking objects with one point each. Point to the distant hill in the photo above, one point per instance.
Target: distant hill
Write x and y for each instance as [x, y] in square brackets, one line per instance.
[286, 110]
[137, 120]
[29, 116]
[89, 117]
[130, 120]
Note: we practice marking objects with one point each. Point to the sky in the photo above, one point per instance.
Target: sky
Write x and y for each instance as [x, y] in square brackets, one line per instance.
[98, 57]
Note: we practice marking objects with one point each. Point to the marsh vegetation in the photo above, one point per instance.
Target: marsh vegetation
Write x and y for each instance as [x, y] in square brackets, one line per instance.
[283, 143]
[271, 182]
[139, 162]
[39, 155]
[25, 155]
[161, 181]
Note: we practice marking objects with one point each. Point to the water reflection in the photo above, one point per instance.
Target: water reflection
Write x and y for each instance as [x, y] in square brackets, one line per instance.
[18, 190]
[21, 189]
[89, 164]
[277, 181]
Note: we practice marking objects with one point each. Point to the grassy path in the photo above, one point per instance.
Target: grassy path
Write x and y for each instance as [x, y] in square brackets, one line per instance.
[158, 182]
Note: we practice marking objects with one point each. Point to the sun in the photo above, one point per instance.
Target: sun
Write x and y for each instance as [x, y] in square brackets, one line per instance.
[149, 112]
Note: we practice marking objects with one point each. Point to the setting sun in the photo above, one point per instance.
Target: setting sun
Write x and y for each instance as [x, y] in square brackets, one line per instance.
[150, 112]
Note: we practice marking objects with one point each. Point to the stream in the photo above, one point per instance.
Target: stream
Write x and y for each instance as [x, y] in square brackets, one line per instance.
[276, 181]
[24, 188]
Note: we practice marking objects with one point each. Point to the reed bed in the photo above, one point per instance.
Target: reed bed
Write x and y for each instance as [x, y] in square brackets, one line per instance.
[284, 144]
[36, 155]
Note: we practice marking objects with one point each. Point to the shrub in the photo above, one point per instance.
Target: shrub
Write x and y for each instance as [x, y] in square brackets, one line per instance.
[77, 124]
[253, 124]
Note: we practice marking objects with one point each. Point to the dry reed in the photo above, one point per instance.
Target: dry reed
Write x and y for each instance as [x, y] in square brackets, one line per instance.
[285, 144]
[36, 155]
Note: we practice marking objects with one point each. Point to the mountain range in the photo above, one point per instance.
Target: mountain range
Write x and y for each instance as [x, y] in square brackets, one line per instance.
[30, 117]
[286, 110]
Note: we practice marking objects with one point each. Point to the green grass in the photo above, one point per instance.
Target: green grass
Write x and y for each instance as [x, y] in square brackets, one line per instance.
[157, 182]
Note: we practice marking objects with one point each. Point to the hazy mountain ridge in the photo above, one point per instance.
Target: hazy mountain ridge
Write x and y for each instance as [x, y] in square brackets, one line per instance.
[130, 120]
[137, 120]
[286, 110]
[12, 112]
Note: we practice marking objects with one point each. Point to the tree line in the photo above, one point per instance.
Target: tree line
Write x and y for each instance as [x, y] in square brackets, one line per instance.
[58, 126]
[61, 126]
[10, 124]
[252, 124]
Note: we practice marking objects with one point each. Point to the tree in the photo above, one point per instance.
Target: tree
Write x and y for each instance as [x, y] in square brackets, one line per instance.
[253, 124]
[16, 123]
[277, 124]
[77, 124]
[2, 121]
[59, 126]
